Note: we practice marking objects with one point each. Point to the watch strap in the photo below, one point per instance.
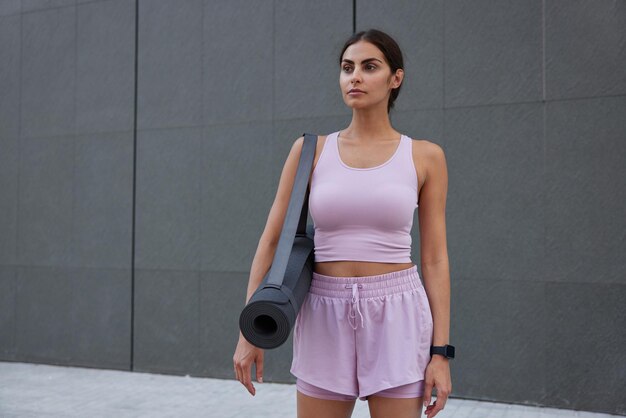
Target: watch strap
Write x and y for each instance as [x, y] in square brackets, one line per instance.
[445, 350]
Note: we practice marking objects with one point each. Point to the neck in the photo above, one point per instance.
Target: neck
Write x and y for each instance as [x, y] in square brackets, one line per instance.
[370, 125]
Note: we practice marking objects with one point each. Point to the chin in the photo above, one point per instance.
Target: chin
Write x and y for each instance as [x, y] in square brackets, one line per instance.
[356, 104]
[360, 107]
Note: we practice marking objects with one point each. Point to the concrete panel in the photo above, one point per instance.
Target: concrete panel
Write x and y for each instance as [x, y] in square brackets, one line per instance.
[48, 72]
[237, 65]
[101, 319]
[9, 156]
[44, 332]
[46, 177]
[10, 7]
[223, 296]
[583, 322]
[420, 124]
[495, 210]
[105, 66]
[585, 48]
[493, 52]
[237, 192]
[308, 39]
[585, 190]
[166, 329]
[10, 42]
[498, 328]
[417, 27]
[33, 5]
[168, 199]
[7, 312]
[170, 64]
[103, 200]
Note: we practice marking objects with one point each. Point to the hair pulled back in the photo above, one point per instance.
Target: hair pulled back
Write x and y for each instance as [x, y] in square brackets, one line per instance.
[390, 49]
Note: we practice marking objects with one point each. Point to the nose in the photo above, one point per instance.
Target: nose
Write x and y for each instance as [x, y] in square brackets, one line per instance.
[356, 76]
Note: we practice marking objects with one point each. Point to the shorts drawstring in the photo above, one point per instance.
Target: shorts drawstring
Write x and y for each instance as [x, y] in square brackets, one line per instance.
[355, 301]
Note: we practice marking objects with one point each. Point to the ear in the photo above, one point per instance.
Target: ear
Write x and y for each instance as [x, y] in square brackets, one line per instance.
[397, 78]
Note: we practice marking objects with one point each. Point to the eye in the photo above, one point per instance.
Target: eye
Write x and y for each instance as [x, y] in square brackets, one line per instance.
[346, 68]
[370, 66]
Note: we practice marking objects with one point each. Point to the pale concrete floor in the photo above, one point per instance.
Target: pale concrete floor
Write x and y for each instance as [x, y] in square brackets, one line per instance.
[39, 390]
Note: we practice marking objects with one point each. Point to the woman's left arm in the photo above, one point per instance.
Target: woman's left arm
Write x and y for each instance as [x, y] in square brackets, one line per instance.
[435, 269]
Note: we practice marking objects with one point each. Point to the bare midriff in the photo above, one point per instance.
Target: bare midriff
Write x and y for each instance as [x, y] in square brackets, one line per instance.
[357, 268]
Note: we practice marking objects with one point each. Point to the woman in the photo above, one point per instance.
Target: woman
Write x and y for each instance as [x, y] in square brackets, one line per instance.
[367, 324]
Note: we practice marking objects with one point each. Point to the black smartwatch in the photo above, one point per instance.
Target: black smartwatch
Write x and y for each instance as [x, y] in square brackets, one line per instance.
[445, 350]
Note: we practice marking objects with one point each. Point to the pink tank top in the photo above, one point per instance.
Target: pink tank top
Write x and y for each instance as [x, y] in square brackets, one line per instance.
[363, 214]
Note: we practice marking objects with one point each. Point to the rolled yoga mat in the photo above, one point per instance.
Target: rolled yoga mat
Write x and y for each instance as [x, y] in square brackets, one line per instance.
[270, 314]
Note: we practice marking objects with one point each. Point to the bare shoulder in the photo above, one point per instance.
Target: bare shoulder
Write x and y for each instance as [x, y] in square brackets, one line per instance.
[299, 142]
[428, 157]
[296, 150]
[428, 149]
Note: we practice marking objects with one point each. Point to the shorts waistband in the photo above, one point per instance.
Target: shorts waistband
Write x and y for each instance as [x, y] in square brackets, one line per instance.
[368, 286]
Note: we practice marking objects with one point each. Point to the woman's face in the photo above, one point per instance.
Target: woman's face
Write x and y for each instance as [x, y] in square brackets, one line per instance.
[364, 68]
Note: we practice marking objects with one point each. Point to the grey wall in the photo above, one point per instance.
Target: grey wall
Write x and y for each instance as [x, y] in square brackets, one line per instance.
[130, 211]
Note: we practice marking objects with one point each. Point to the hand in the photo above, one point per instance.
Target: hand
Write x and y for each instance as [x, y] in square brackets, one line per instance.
[245, 355]
[437, 375]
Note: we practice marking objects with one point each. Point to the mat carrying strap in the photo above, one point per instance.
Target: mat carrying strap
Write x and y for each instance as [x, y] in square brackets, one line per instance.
[295, 219]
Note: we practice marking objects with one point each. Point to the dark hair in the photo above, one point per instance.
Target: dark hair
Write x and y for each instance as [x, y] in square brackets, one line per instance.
[390, 49]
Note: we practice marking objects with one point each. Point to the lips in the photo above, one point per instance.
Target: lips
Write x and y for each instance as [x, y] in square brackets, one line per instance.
[356, 91]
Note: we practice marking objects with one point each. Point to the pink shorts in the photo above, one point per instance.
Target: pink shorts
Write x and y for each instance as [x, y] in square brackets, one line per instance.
[365, 335]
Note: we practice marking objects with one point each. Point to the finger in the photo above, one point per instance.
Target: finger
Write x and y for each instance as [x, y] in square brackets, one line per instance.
[428, 388]
[436, 410]
[247, 382]
[438, 407]
[429, 410]
[240, 373]
[237, 372]
[442, 398]
[251, 388]
[259, 369]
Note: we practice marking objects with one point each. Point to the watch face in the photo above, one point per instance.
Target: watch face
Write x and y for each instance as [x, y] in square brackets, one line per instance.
[450, 351]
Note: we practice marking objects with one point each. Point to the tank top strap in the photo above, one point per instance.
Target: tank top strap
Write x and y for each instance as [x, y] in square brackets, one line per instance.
[409, 164]
[331, 144]
[405, 153]
[328, 159]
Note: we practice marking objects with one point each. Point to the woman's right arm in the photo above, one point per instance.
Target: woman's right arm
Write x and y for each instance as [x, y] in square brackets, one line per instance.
[246, 354]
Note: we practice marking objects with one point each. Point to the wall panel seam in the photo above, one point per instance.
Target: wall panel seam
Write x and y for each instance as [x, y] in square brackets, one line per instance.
[543, 50]
[134, 196]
